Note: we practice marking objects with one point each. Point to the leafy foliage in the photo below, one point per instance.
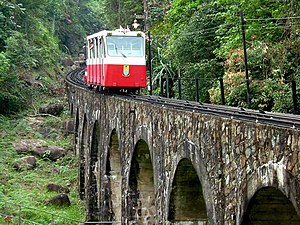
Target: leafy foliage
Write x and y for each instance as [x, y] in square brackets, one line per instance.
[196, 39]
[121, 13]
[203, 40]
[34, 37]
[9, 13]
[191, 45]
[11, 97]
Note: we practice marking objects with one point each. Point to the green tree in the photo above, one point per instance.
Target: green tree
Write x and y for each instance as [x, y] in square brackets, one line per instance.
[272, 54]
[34, 36]
[192, 27]
[121, 13]
[9, 13]
[13, 94]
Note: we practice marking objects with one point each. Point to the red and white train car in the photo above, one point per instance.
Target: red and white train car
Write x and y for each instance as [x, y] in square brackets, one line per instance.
[116, 60]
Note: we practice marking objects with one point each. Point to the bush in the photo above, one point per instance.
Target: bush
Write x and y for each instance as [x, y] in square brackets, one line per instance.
[13, 93]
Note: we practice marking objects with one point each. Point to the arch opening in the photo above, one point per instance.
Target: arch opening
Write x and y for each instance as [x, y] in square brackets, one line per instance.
[76, 132]
[186, 200]
[270, 206]
[141, 185]
[82, 159]
[94, 175]
[71, 108]
[113, 181]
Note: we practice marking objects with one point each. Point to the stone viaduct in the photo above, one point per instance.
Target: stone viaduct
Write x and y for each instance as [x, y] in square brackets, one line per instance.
[141, 163]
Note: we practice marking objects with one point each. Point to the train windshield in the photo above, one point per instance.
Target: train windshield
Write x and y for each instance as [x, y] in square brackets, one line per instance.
[125, 46]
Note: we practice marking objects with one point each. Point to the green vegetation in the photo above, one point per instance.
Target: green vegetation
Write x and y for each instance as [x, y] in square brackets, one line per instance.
[191, 39]
[34, 38]
[202, 39]
[27, 188]
[196, 39]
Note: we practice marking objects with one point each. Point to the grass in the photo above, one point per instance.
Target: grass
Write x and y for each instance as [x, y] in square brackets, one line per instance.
[23, 193]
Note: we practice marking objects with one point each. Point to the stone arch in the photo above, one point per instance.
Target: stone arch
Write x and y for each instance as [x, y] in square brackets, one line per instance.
[186, 201]
[141, 185]
[112, 182]
[94, 175]
[270, 179]
[189, 150]
[82, 158]
[270, 206]
[142, 133]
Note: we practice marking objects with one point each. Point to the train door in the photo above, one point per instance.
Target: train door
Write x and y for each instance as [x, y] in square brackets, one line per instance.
[94, 61]
[87, 61]
[97, 61]
[91, 59]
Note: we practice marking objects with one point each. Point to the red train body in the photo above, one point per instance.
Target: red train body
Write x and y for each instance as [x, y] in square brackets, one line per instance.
[116, 59]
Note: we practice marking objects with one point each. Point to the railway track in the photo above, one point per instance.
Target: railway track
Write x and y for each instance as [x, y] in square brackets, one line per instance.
[276, 119]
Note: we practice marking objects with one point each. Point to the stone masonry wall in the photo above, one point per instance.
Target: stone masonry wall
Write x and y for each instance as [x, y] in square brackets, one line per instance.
[233, 159]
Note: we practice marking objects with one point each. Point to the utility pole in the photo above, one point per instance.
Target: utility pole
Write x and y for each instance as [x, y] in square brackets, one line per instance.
[246, 59]
[119, 12]
[147, 31]
[146, 15]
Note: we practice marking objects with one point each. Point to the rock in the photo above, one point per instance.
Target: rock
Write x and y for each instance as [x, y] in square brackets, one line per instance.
[34, 82]
[69, 126]
[40, 151]
[53, 109]
[67, 62]
[56, 152]
[59, 200]
[58, 188]
[51, 152]
[55, 171]
[25, 163]
[51, 133]
[26, 145]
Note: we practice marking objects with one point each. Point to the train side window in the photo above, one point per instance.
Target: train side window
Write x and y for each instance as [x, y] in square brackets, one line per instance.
[87, 50]
[97, 48]
[103, 48]
[100, 47]
[91, 48]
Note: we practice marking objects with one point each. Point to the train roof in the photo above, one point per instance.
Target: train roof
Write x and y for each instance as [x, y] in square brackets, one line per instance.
[118, 32]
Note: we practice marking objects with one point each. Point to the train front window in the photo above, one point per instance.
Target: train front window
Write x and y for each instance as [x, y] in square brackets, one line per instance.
[125, 46]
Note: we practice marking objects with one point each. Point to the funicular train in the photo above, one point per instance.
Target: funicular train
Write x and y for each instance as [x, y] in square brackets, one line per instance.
[116, 60]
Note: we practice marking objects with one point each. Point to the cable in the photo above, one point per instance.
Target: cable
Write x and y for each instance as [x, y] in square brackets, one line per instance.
[211, 34]
[280, 18]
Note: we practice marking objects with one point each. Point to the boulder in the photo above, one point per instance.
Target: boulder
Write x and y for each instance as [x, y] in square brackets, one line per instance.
[57, 188]
[59, 200]
[53, 109]
[25, 163]
[67, 62]
[26, 145]
[51, 152]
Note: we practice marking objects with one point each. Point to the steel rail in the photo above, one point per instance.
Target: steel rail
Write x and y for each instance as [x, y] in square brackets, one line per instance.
[75, 78]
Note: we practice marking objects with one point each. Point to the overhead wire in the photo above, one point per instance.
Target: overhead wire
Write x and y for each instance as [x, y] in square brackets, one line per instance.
[205, 32]
[273, 18]
[211, 32]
